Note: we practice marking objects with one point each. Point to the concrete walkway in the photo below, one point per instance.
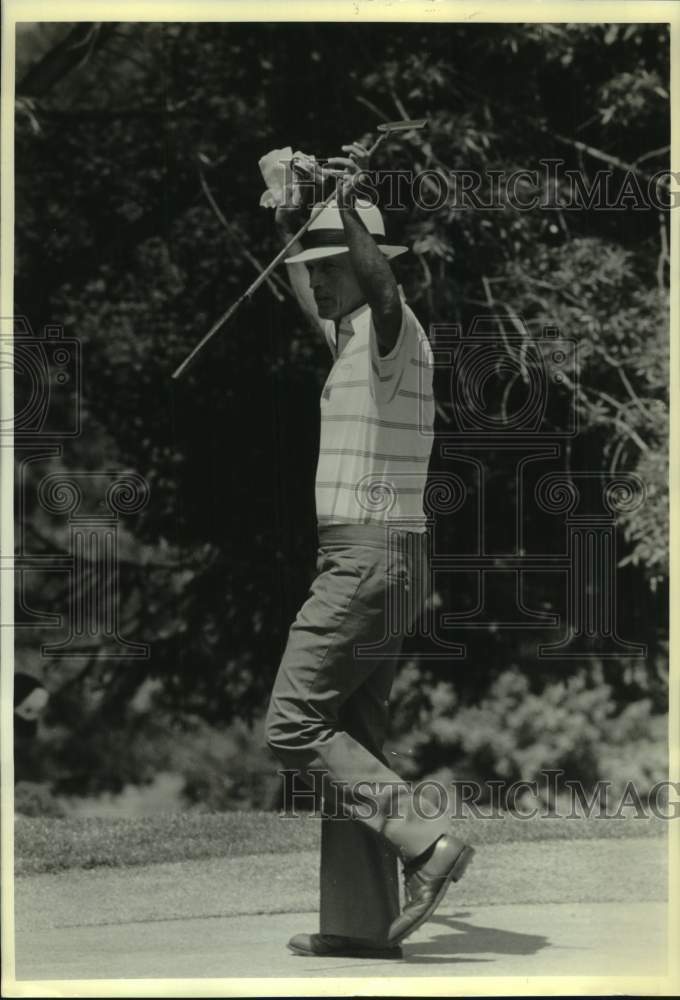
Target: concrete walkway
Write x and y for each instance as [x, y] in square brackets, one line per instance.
[544, 908]
[555, 939]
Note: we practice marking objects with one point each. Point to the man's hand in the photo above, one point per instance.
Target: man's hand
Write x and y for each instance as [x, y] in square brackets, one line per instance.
[348, 171]
[312, 183]
[304, 188]
[358, 153]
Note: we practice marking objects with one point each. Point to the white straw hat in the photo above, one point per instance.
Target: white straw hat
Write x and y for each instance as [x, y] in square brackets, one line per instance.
[326, 235]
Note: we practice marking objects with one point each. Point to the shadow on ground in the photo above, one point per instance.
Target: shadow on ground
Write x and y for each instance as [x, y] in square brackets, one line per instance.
[466, 940]
[470, 939]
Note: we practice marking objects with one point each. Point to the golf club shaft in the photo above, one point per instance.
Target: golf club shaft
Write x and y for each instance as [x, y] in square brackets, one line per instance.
[252, 288]
[281, 255]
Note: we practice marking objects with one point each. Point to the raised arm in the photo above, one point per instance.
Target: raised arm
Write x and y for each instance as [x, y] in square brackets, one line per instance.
[372, 271]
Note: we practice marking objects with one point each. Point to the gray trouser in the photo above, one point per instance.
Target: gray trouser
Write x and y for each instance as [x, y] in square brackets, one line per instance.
[329, 711]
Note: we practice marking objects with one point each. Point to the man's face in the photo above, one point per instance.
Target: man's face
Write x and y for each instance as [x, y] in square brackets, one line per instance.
[335, 287]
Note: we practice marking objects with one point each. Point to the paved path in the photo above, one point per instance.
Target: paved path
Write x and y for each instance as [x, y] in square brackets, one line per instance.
[551, 940]
[563, 908]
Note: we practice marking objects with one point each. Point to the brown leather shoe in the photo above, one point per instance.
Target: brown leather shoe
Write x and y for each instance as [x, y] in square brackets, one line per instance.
[426, 884]
[341, 947]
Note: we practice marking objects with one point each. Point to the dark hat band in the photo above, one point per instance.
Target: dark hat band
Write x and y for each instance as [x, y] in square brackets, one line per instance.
[315, 238]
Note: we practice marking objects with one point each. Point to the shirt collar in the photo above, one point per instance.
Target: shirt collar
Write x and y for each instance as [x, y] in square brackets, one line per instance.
[346, 324]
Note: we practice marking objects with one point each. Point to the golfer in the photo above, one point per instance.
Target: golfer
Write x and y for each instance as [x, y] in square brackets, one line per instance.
[328, 714]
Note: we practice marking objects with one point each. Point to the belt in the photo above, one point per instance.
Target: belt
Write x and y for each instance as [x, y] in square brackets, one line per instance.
[374, 535]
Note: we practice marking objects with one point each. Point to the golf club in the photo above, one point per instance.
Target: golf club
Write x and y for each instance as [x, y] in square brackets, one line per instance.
[386, 129]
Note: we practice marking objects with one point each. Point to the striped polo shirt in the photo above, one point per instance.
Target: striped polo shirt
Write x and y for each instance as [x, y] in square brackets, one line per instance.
[377, 416]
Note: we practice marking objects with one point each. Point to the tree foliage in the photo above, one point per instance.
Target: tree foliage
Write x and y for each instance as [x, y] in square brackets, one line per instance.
[120, 128]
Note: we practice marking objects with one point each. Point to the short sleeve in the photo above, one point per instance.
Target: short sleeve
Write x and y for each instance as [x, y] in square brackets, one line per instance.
[387, 371]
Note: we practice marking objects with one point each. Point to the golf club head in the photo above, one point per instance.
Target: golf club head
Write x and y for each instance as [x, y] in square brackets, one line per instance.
[405, 125]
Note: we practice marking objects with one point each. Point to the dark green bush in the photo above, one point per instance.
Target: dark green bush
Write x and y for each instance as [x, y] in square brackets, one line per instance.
[517, 731]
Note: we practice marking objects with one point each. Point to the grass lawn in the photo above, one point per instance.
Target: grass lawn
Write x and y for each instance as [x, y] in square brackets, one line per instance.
[52, 845]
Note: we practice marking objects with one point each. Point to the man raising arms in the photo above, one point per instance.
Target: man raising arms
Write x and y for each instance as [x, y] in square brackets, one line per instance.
[328, 712]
